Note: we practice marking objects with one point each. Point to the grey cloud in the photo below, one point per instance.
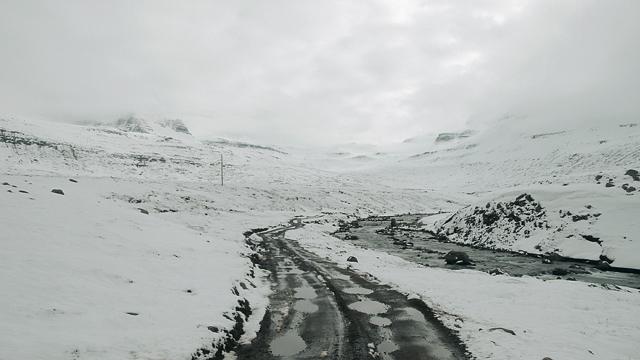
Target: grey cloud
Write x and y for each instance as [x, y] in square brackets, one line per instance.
[320, 72]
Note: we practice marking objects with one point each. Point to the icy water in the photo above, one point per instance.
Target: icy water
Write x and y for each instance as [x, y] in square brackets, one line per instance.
[428, 251]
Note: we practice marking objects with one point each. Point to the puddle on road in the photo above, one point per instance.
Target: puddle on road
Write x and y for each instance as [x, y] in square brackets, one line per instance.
[357, 291]
[288, 344]
[305, 306]
[306, 292]
[369, 307]
[387, 347]
[380, 321]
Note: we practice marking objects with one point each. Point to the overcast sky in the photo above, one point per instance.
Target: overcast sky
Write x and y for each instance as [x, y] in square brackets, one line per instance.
[322, 71]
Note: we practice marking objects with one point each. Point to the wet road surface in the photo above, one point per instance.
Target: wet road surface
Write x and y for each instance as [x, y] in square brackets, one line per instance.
[320, 311]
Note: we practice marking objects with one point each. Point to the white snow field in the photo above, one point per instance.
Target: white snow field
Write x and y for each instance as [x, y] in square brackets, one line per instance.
[74, 266]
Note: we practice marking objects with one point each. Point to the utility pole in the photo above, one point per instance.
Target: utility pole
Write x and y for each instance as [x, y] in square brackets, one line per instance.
[221, 170]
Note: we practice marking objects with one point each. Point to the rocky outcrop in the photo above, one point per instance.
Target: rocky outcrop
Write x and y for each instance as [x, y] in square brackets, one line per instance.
[176, 125]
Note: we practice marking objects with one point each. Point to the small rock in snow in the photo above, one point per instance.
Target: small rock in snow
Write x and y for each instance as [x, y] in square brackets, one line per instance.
[73, 180]
[213, 329]
[352, 259]
[144, 211]
[508, 331]
[57, 191]
[132, 313]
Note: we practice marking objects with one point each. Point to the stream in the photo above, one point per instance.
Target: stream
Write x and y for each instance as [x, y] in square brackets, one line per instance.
[423, 248]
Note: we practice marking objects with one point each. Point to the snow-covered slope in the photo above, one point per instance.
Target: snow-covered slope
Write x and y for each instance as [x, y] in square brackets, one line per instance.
[588, 172]
[143, 254]
[145, 226]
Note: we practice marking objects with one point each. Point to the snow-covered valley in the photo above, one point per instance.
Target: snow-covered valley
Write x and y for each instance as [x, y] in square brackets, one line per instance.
[141, 254]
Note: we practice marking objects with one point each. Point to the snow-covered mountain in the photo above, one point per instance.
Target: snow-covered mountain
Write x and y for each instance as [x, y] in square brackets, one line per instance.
[583, 181]
[141, 224]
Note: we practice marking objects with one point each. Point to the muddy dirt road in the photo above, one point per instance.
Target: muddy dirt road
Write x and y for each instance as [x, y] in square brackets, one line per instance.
[320, 311]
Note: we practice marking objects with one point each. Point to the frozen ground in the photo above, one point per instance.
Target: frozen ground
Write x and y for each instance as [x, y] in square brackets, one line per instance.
[74, 265]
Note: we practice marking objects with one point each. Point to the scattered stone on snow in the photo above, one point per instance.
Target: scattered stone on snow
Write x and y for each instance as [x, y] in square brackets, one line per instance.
[508, 331]
[57, 191]
[634, 174]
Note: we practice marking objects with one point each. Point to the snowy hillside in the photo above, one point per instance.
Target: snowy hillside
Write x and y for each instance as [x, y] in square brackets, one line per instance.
[141, 224]
[583, 181]
[141, 236]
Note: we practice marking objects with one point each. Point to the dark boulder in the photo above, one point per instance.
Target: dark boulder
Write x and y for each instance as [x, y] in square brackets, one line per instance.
[352, 259]
[457, 257]
[634, 174]
[592, 238]
[559, 272]
[57, 191]
[603, 265]
[577, 218]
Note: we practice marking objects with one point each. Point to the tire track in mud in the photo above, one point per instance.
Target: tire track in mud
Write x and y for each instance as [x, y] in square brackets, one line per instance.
[320, 311]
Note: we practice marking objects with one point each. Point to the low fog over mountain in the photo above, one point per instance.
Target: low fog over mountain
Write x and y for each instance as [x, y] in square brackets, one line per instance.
[334, 180]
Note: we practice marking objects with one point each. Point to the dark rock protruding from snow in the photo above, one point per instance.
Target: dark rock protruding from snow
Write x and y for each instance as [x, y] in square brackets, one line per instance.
[496, 224]
[133, 124]
[352, 259]
[444, 137]
[57, 191]
[634, 174]
[176, 125]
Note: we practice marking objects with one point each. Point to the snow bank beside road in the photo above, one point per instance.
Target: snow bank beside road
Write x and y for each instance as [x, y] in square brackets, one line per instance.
[557, 319]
